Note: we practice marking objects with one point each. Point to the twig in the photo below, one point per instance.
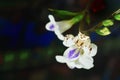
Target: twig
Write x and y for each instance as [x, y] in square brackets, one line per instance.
[100, 23]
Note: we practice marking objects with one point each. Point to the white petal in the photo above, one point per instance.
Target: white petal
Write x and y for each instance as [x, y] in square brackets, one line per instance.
[60, 59]
[71, 65]
[93, 50]
[78, 65]
[68, 43]
[86, 50]
[86, 61]
[51, 18]
[69, 40]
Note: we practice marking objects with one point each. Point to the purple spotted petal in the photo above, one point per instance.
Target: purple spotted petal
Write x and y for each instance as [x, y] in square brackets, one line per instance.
[72, 54]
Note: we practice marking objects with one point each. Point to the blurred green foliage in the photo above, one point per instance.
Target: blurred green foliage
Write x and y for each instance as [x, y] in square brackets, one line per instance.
[9, 57]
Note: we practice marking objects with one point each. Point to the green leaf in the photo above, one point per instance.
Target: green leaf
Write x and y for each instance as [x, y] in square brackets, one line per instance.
[63, 13]
[103, 32]
[117, 17]
[107, 23]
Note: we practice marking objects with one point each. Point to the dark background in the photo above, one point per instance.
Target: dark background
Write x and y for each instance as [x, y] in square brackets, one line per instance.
[27, 50]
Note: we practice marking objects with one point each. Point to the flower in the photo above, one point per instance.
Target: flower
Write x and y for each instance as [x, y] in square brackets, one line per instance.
[78, 57]
[60, 26]
[79, 53]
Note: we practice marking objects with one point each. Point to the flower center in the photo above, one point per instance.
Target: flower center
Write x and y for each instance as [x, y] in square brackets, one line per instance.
[79, 43]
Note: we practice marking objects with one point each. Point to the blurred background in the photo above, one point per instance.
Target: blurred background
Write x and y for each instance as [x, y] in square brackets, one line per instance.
[27, 50]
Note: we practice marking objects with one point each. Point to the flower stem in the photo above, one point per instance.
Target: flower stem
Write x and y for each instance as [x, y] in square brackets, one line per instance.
[85, 12]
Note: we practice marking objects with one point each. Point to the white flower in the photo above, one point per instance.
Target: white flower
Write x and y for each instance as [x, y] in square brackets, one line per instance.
[78, 57]
[80, 52]
[59, 27]
[80, 49]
